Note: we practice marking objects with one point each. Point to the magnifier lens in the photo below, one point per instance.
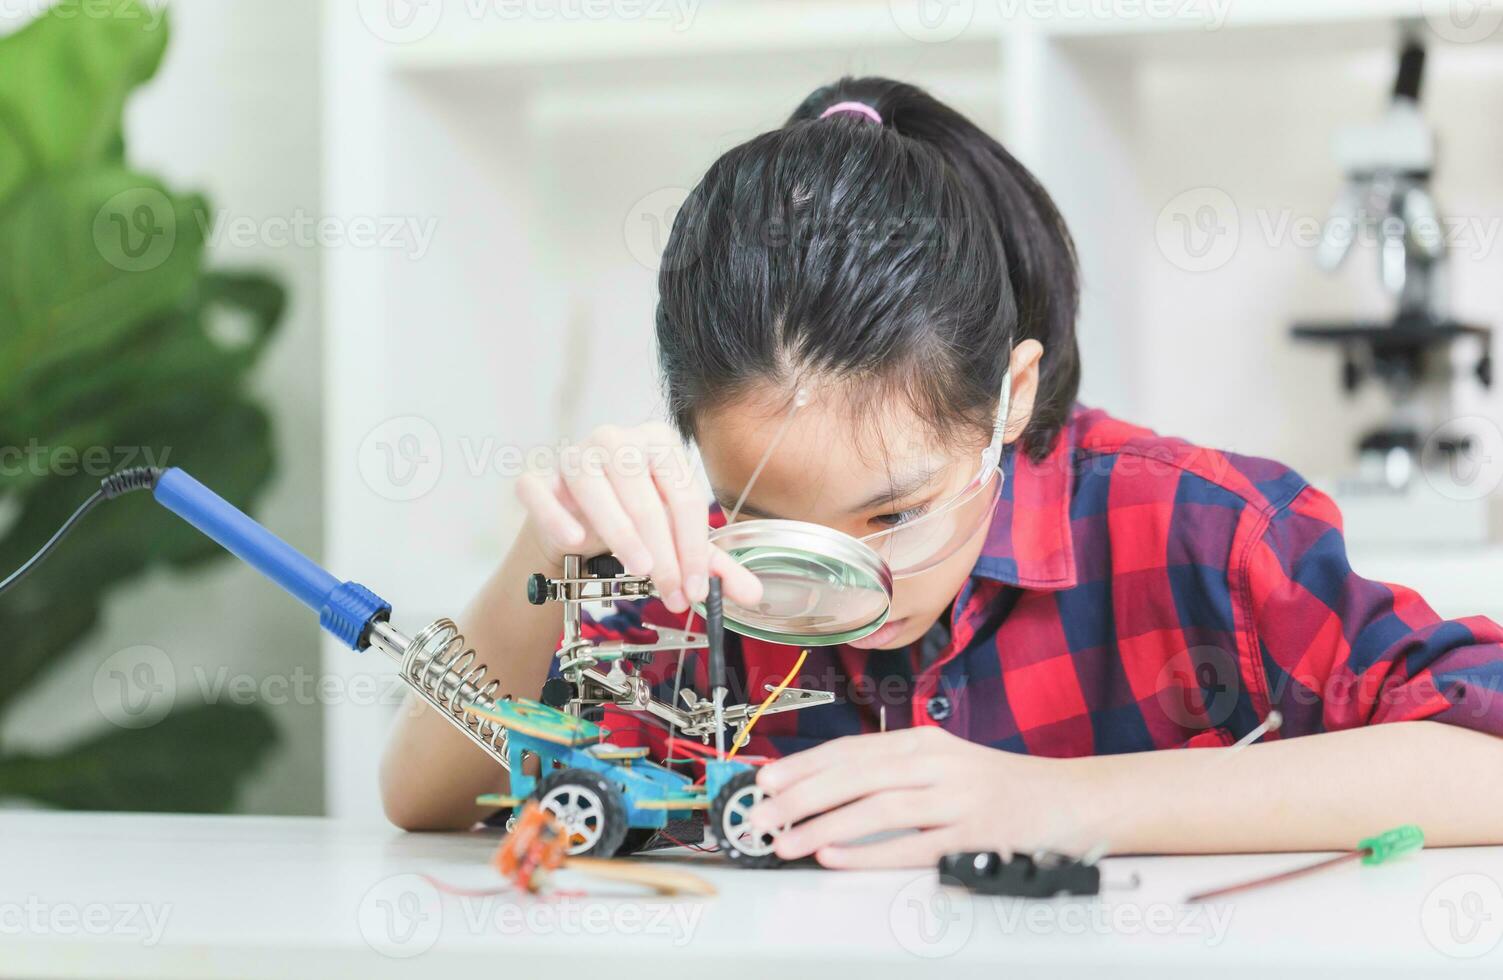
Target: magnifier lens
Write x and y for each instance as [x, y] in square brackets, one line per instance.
[819, 587]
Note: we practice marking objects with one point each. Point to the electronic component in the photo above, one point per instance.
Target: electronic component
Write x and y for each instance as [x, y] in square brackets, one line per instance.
[1042, 875]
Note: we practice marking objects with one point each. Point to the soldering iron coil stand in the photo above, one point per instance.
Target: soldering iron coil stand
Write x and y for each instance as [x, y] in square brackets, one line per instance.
[442, 670]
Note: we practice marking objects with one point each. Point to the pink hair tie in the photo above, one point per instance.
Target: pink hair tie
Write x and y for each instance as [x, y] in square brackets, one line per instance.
[858, 108]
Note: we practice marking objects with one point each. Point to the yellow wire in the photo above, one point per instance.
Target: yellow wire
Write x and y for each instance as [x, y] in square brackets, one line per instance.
[746, 732]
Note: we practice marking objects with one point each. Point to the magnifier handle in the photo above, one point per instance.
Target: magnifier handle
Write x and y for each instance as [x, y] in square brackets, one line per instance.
[715, 631]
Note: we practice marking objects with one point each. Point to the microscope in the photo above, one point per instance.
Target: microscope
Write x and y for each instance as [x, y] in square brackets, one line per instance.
[1412, 460]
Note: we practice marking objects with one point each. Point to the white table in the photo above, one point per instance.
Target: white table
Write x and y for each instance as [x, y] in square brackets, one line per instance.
[107, 895]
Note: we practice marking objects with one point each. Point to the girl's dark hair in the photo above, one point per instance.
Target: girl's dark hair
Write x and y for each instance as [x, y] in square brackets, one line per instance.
[910, 256]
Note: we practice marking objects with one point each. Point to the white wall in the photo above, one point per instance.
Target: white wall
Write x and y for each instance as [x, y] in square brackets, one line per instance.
[233, 112]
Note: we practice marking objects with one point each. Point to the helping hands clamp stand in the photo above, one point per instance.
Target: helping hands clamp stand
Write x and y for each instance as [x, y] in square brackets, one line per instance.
[583, 682]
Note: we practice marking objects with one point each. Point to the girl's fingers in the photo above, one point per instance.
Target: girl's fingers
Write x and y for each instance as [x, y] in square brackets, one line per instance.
[736, 583]
[675, 484]
[641, 500]
[603, 511]
[540, 498]
[627, 462]
[902, 809]
[651, 514]
[920, 850]
[838, 786]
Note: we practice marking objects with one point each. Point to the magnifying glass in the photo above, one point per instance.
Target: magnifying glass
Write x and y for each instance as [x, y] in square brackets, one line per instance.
[819, 587]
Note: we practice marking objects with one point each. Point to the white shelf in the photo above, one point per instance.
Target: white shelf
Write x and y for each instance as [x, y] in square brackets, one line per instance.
[460, 41]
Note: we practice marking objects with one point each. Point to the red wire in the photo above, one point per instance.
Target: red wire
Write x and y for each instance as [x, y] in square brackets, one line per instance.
[449, 889]
[692, 847]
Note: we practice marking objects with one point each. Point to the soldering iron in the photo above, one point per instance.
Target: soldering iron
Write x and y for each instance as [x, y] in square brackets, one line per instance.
[435, 662]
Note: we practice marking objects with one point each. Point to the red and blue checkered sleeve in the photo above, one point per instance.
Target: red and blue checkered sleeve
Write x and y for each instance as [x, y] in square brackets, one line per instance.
[1333, 650]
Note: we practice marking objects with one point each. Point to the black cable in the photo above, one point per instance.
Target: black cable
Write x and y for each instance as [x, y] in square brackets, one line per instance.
[112, 486]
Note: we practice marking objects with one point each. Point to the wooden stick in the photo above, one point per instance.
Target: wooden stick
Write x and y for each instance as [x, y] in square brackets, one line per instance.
[666, 881]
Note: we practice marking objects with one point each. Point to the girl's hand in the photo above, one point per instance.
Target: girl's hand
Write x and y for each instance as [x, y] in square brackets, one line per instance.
[959, 796]
[631, 491]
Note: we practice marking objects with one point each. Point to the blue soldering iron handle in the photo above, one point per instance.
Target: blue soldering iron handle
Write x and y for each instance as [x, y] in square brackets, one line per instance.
[345, 609]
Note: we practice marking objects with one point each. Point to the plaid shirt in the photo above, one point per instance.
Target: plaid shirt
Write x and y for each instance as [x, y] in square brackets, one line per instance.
[1134, 592]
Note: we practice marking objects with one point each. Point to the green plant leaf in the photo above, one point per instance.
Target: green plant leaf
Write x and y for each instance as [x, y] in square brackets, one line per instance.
[85, 259]
[64, 79]
[114, 352]
[80, 401]
[192, 761]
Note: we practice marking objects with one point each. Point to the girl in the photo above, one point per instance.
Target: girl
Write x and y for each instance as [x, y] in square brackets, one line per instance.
[1107, 592]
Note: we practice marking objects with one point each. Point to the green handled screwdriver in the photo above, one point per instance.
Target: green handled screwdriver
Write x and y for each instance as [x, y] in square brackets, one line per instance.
[1371, 850]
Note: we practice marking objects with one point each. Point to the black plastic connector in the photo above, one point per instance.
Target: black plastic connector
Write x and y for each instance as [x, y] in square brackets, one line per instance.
[1020, 875]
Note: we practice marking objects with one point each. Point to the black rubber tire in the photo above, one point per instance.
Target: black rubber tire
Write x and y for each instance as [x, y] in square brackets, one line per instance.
[612, 819]
[737, 786]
